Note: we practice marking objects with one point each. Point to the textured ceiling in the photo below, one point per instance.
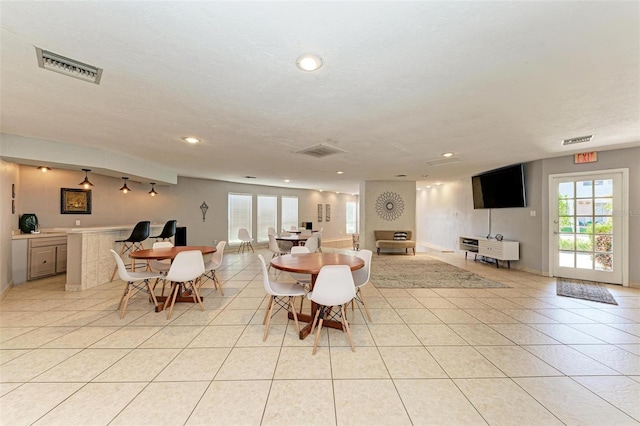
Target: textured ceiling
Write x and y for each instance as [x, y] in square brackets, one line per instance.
[402, 82]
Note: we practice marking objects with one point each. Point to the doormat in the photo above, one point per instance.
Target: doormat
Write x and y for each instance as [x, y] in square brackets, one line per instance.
[586, 290]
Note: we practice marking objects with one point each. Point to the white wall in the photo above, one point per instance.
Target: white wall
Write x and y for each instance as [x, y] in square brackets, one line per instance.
[8, 176]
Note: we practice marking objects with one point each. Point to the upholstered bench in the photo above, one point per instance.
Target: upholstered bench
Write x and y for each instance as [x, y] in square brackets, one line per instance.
[394, 240]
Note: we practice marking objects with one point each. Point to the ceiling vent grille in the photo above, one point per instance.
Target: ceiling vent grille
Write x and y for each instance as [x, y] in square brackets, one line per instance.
[580, 139]
[320, 150]
[56, 63]
[444, 161]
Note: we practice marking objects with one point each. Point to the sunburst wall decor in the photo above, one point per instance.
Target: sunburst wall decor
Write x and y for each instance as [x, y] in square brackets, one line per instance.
[389, 206]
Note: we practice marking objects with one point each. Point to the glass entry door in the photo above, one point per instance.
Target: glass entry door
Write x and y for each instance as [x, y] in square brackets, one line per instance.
[587, 238]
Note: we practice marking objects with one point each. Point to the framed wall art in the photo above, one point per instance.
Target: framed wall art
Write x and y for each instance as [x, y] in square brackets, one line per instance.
[319, 212]
[327, 212]
[75, 201]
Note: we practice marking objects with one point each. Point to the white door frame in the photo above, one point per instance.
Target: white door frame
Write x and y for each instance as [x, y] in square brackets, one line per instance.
[623, 211]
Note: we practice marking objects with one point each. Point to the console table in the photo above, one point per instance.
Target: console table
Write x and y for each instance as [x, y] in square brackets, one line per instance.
[491, 248]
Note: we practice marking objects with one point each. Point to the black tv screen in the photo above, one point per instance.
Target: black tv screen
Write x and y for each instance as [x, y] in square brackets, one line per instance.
[500, 188]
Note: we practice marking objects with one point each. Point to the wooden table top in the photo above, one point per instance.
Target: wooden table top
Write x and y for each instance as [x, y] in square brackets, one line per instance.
[292, 238]
[311, 263]
[169, 252]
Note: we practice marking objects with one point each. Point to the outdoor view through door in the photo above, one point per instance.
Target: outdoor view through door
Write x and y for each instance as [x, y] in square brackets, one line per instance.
[588, 227]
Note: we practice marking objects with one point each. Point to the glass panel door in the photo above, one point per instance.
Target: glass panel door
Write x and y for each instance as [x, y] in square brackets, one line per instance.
[586, 242]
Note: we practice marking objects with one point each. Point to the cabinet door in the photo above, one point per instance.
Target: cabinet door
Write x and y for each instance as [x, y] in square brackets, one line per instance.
[42, 262]
[61, 258]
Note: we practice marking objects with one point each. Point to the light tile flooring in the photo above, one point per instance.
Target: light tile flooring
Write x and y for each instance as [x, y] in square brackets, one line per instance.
[518, 356]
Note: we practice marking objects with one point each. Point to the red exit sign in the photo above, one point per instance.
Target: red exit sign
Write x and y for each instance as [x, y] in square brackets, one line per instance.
[586, 157]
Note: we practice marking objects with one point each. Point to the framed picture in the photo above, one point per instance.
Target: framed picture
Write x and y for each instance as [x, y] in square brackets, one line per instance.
[328, 212]
[13, 190]
[319, 212]
[75, 201]
[13, 206]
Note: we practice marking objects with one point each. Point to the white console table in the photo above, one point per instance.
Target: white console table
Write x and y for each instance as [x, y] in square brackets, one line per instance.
[491, 248]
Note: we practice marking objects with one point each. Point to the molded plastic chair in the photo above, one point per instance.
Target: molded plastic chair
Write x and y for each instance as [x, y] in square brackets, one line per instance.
[312, 244]
[302, 279]
[275, 248]
[245, 240]
[136, 281]
[185, 271]
[294, 228]
[318, 235]
[361, 278]
[277, 292]
[161, 266]
[134, 242]
[271, 230]
[211, 266]
[168, 231]
[334, 287]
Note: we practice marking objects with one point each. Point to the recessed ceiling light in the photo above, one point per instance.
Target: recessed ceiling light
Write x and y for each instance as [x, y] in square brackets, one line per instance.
[287, 180]
[448, 154]
[309, 62]
[320, 190]
[339, 173]
[190, 139]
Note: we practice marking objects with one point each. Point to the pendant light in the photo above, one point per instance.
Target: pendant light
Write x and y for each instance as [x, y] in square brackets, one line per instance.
[85, 183]
[125, 188]
[153, 191]
[44, 169]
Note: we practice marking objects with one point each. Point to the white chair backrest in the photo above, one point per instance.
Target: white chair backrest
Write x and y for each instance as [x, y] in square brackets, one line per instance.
[162, 244]
[265, 276]
[216, 257]
[122, 270]
[305, 233]
[334, 286]
[312, 244]
[294, 228]
[361, 276]
[243, 234]
[187, 266]
[273, 244]
[299, 250]
[271, 231]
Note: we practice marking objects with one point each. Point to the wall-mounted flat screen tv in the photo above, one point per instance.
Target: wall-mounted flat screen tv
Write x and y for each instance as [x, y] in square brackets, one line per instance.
[500, 188]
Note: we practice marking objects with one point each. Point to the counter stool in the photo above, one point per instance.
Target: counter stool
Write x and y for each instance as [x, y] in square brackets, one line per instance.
[134, 242]
[168, 231]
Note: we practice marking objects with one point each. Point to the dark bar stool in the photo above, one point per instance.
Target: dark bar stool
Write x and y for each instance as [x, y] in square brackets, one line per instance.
[168, 231]
[134, 242]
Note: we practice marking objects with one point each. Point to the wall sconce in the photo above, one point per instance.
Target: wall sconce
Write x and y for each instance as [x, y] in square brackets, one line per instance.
[43, 169]
[204, 207]
[153, 191]
[125, 188]
[85, 183]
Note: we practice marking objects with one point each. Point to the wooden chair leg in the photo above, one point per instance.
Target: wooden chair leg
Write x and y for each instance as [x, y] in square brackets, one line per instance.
[295, 316]
[264, 320]
[364, 303]
[315, 321]
[345, 324]
[151, 292]
[315, 342]
[266, 327]
[124, 293]
[130, 293]
[173, 299]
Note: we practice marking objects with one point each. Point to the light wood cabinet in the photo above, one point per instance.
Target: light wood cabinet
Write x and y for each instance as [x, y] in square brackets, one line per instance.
[492, 249]
[47, 256]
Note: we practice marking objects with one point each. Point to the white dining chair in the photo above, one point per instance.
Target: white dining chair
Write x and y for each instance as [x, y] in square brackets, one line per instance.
[135, 282]
[245, 240]
[160, 266]
[186, 269]
[212, 265]
[361, 278]
[312, 244]
[277, 292]
[302, 279]
[333, 288]
[271, 231]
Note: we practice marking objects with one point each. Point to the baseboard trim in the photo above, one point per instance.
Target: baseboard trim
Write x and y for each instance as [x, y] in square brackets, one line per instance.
[6, 290]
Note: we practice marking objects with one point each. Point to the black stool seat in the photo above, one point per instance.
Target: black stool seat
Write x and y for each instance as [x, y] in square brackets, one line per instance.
[140, 233]
[168, 231]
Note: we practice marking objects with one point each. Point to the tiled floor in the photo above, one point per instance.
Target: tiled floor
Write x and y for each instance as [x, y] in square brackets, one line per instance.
[516, 356]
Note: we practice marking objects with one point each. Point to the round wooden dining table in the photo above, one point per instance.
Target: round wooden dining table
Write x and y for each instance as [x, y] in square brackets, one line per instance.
[295, 239]
[169, 253]
[311, 263]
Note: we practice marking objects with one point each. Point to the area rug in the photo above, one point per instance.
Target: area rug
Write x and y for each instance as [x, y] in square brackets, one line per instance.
[586, 290]
[423, 271]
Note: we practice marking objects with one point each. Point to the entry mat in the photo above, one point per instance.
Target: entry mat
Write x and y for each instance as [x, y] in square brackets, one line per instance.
[586, 290]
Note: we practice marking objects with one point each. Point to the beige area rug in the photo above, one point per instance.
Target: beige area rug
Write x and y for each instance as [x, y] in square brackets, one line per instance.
[586, 290]
[423, 271]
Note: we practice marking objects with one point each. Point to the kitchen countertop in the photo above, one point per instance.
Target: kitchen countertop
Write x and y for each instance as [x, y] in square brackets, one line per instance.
[63, 232]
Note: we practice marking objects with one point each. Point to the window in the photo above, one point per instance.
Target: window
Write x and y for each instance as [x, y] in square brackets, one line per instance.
[267, 215]
[289, 212]
[239, 215]
[352, 217]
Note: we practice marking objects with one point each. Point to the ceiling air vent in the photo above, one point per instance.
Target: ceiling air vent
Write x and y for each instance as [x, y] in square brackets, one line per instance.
[56, 63]
[444, 161]
[580, 139]
[320, 150]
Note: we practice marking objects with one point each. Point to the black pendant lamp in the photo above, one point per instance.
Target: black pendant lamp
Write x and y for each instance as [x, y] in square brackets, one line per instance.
[153, 191]
[125, 188]
[86, 184]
